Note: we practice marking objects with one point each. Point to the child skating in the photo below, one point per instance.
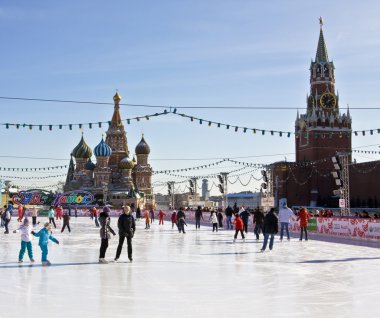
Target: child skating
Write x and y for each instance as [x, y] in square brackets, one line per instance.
[26, 243]
[45, 235]
[161, 215]
[239, 227]
[147, 220]
[174, 218]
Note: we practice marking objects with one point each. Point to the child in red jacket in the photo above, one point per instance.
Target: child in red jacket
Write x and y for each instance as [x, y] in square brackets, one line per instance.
[303, 217]
[174, 218]
[239, 226]
[161, 215]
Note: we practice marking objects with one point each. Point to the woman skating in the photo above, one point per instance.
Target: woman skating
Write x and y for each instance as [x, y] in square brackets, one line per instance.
[105, 235]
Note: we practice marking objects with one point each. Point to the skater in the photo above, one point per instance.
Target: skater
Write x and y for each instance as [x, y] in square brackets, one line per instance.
[26, 243]
[198, 217]
[161, 215]
[258, 218]
[214, 221]
[105, 235]
[76, 211]
[229, 212]
[6, 216]
[2, 211]
[239, 226]
[151, 213]
[20, 211]
[284, 215]
[127, 227]
[244, 214]
[174, 218]
[220, 219]
[51, 216]
[45, 235]
[66, 222]
[303, 217]
[34, 215]
[147, 220]
[270, 228]
[94, 215]
[181, 221]
[58, 212]
[138, 213]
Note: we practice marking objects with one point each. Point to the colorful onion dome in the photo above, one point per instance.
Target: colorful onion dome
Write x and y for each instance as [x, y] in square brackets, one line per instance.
[142, 148]
[126, 163]
[102, 149]
[82, 150]
[89, 165]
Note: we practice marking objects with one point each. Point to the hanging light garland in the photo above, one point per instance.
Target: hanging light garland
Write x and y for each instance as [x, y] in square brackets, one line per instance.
[33, 169]
[98, 124]
[235, 128]
[33, 178]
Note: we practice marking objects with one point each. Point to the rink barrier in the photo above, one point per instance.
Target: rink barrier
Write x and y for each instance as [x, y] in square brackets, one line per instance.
[343, 227]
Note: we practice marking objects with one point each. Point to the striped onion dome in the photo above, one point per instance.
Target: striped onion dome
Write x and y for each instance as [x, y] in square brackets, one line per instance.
[102, 149]
[142, 148]
[126, 163]
[82, 150]
[89, 165]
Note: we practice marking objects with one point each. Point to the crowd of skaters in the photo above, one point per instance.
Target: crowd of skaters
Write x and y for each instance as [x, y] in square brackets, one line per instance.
[233, 218]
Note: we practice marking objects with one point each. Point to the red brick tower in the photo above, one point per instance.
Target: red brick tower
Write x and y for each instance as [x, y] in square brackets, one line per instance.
[322, 130]
[319, 134]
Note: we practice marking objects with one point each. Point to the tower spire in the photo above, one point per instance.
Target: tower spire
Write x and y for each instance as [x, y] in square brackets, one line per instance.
[321, 55]
[116, 119]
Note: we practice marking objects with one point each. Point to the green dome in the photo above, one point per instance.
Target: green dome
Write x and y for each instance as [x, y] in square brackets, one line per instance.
[126, 163]
[82, 150]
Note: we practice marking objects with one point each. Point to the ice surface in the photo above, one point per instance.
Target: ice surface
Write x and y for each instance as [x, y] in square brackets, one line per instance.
[197, 274]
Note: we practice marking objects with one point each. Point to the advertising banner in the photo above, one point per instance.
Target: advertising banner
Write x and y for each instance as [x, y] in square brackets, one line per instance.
[340, 226]
[373, 230]
[312, 226]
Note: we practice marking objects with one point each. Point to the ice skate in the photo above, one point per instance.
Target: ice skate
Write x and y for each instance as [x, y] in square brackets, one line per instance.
[115, 260]
[20, 261]
[130, 259]
[102, 261]
[46, 263]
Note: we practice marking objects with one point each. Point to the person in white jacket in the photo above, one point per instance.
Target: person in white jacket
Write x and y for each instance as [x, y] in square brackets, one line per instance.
[284, 216]
[26, 243]
[214, 221]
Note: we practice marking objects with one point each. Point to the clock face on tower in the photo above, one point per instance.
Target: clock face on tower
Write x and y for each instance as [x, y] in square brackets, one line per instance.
[328, 101]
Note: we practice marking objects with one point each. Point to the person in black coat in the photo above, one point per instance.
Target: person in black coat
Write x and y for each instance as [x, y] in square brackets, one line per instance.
[127, 228]
[181, 221]
[245, 217]
[198, 217]
[258, 218]
[105, 235]
[270, 229]
[229, 211]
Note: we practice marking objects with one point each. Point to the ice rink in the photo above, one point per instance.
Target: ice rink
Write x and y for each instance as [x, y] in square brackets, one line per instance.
[197, 274]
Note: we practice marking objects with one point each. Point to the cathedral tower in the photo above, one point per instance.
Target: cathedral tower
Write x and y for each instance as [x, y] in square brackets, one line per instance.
[116, 137]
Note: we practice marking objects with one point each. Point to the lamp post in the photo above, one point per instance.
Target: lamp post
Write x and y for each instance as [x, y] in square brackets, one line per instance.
[105, 192]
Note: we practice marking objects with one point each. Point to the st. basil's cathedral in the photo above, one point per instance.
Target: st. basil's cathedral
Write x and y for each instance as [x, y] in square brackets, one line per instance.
[115, 177]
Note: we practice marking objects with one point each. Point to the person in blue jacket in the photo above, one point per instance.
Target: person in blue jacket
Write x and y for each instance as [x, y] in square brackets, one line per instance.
[45, 235]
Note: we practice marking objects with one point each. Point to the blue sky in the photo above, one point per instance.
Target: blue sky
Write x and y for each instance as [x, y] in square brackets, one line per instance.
[180, 53]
